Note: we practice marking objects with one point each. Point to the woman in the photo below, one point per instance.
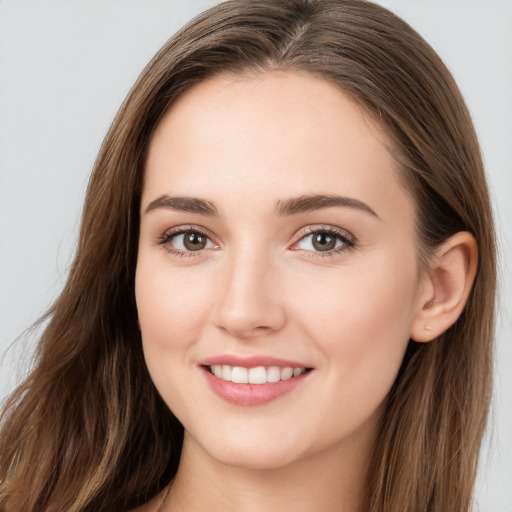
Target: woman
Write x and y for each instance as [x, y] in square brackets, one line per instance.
[283, 293]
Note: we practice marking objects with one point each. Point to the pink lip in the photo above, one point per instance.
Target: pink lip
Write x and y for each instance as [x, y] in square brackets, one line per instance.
[252, 394]
[251, 361]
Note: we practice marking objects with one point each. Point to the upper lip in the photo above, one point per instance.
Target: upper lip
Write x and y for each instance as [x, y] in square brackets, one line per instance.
[251, 361]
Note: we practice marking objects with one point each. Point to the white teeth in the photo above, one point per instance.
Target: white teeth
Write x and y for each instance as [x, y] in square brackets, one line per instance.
[274, 374]
[226, 372]
[257, 375]
[239, 375]
[286, 373]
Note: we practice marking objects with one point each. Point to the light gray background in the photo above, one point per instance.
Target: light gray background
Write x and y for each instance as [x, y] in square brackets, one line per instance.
[65, 67]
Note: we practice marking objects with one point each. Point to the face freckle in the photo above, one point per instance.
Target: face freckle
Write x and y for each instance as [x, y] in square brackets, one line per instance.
[222, 163]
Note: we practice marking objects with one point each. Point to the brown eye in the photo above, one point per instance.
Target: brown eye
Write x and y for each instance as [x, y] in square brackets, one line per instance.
[323, 241]
[193, 241]
[329, 241]
[187, 241]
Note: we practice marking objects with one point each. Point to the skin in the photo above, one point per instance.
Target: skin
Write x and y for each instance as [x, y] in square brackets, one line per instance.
[259, 287]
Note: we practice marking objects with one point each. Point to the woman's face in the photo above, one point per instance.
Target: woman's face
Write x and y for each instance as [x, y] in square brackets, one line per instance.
[275, 235]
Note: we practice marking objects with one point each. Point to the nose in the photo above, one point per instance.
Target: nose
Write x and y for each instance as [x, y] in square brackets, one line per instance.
[250, 302]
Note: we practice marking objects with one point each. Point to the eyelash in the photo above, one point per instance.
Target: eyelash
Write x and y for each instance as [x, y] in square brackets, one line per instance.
[167, 237]
[347, 240]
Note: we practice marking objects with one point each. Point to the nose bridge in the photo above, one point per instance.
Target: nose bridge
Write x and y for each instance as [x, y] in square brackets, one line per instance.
[250, 302]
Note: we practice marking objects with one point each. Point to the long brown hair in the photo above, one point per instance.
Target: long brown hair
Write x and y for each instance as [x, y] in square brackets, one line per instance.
[88, 431]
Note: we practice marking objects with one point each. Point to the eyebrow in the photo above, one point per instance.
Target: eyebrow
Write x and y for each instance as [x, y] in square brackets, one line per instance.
[184, 204]
[292, 206]
[311, 203]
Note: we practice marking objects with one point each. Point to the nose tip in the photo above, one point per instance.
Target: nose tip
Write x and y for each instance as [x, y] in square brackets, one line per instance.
[246, 317]
[243, 327]
[251, 304]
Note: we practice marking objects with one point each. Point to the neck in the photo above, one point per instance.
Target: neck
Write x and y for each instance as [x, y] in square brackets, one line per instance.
[333, 480]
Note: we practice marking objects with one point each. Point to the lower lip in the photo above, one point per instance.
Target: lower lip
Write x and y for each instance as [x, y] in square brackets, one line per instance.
[252, 394]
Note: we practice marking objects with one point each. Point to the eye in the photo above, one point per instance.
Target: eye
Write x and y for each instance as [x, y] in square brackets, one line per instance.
[183, 241]
[326, 240]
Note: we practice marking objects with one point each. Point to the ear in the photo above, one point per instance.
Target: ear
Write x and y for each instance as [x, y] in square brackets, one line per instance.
[446, 285]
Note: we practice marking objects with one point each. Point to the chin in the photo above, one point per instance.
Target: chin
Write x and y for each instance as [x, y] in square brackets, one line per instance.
[252, 452]
[256, 459]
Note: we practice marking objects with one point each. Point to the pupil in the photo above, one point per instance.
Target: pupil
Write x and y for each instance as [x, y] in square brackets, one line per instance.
[324, 242]
[194, 241]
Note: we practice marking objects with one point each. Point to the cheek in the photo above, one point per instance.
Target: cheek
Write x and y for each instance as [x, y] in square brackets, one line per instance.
[360, 326]
[169, 304]
[171, 310]
[360, 319]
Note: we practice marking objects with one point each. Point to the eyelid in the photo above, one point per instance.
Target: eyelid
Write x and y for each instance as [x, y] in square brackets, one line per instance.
[347, 238]
[164, 239]
[315, 228]
[185, 228]
[324, 228]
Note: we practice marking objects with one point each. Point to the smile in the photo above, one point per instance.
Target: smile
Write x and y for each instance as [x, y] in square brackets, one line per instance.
[253, 384]
[256, 375]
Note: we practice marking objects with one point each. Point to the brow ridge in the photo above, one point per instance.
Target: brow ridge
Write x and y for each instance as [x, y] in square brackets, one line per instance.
[309, 203]
[292, 206]
[183, 204]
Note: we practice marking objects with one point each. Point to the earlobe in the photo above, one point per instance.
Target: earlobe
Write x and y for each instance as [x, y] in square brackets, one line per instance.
[446, 287]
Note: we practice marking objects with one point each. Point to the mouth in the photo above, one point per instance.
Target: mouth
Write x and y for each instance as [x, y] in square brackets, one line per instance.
[255, 375]
[253, 381]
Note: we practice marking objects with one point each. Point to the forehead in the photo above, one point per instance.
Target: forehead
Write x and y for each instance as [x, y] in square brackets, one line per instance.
[270, 133]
